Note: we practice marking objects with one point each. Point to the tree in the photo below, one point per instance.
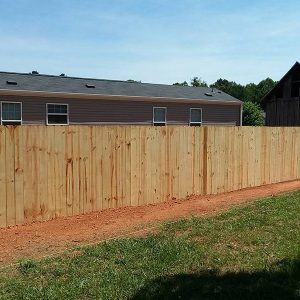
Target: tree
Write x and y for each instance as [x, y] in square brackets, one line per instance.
[181, 83]
[198, 82]
[133, 81]
[252, 114]
[230, 87]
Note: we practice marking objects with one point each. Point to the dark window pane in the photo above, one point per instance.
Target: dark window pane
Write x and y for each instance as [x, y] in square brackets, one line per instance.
[57, 119]
[196, 116]
[50, 108]
[57, 108]
[11, 111]
[159, 115]
[64, 109]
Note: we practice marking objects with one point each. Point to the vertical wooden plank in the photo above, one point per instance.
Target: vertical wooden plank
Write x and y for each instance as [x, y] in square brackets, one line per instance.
[223, 162]
[127, 150]
[198, 161]
[135, 167]
[85, 172]
[215, 160]
[2, 178]
[107, 172]
[209, 165]
[10, 176]
[92, 166]
[19, 184]
[257, 156]
[167, 164]
[298, 151]
[228, 162]
[188, 131]
[162, 164]
[29, 193]
[41, 170]
[153, 197]
[175, 143]
[293, 155]
[99, 167]
[143, 184]
[263, 150]
[246, 158]
[76, 169]
[205, 162]
[69, 163]
[113, 161]
[51, 174]
[60, 171]
[251, 157]
[195, 165]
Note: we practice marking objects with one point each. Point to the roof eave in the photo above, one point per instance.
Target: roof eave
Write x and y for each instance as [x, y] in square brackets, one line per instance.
[9, 92]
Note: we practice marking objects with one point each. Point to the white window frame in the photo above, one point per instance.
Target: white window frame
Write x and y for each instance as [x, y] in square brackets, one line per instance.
[12, 121]
[195, 123]
[57, 114]
[155, 122]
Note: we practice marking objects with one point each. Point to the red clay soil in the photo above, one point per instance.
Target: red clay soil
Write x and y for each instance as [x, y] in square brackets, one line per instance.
[51, 237]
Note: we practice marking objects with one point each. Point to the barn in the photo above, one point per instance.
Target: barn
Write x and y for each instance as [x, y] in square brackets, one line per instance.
[282, 103]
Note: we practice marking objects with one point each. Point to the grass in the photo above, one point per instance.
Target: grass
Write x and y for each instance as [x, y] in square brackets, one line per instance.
[248, 253]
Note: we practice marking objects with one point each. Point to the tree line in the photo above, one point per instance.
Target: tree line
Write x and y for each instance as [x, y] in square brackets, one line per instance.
[251, 94]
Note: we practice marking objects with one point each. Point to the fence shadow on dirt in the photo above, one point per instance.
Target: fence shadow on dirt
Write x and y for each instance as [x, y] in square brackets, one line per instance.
[281, 283]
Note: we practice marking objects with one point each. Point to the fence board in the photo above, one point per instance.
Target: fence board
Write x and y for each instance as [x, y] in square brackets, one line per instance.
[2, 178]
[19, 180]
[51, 171]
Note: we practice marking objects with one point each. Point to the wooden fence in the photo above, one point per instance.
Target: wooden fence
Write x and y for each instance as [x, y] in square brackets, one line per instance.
[52, 171]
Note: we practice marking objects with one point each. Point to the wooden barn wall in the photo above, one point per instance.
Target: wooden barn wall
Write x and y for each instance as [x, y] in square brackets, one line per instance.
[54, 171]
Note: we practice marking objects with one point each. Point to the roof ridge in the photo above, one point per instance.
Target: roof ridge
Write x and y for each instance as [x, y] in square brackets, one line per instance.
[101, 79]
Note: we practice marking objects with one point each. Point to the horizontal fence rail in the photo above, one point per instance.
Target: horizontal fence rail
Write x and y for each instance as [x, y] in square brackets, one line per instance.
[52, 171]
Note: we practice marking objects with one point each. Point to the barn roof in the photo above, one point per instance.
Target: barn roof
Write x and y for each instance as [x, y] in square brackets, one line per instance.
[279, 83]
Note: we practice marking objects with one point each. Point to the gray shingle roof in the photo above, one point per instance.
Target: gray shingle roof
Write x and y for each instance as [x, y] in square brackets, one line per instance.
[49, 83]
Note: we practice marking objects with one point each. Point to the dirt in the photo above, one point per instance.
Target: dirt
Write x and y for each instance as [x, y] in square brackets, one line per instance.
[52, 237]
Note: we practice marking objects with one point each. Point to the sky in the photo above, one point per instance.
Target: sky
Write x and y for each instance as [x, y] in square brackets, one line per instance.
[157, 41]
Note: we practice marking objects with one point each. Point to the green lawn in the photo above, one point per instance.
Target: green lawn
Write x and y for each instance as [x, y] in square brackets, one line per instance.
[246, 253]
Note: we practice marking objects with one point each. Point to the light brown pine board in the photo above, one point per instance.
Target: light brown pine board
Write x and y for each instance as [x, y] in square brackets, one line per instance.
[2, 178]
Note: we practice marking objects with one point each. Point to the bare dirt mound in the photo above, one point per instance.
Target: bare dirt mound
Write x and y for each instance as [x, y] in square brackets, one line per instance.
[46, 238]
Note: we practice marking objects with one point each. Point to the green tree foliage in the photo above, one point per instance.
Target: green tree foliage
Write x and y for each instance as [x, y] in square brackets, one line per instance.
[230, 87]
[181, 83]
[134, 81]
[252, 114]
[250, 92]
[198, 82]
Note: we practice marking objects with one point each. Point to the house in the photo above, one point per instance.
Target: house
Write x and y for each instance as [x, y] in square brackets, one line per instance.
[282, 103]
[61, 100]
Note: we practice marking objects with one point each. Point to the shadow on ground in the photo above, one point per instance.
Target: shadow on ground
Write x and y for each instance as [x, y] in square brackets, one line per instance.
[284, 283]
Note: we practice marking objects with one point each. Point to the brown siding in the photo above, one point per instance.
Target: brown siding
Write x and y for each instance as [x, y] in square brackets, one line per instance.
[131, 112]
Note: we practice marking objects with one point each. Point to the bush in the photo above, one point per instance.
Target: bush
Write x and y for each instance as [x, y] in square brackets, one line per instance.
[252, 114]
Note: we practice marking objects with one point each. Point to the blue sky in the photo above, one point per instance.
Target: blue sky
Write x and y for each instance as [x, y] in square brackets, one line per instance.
[159, 41]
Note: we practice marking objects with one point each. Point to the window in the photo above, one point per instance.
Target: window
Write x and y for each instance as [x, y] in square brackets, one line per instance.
[159, 116]
[57, 114]
[11, 113]
[195, 116]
